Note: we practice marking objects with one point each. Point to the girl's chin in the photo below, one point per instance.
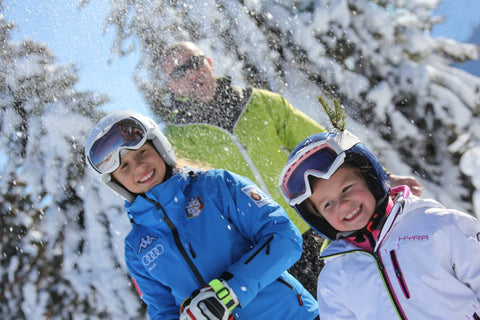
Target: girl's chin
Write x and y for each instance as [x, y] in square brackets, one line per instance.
[354, 225]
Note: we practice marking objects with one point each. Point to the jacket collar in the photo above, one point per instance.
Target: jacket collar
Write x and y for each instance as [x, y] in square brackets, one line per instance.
[403, 202]
[394, 207]
[168, 193]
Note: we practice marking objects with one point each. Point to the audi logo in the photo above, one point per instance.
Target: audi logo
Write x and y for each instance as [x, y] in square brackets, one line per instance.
[152, 255]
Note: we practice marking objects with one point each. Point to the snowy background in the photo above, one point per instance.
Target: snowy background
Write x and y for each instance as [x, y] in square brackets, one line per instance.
[399, 73]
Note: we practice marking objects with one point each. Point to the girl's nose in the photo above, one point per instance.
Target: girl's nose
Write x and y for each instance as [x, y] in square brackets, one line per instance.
[138, 165]
[342, 203]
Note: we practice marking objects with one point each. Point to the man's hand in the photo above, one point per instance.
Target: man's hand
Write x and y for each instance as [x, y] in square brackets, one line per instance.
[415, 186]
[214, 302]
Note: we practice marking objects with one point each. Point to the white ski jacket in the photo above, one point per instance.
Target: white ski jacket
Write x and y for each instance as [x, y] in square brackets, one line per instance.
[425, 265]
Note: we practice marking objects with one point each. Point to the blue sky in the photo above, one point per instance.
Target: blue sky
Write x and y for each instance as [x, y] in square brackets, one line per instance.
[460, 15]
[77, 35]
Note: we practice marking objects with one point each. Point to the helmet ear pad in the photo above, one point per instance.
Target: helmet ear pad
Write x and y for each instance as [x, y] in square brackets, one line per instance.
[371, 169]
[318, 223]
[113, 184]
[163, 147]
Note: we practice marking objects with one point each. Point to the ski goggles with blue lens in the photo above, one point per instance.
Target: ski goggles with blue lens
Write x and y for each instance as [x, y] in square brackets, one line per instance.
[107, 150]
[319, 159]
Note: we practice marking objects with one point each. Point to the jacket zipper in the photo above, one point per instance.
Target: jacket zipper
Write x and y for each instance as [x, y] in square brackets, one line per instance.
[386, 281]
[399, 274]
[182, 250]
[180, 247]
[266, 244]
[194, 255]
[383, 273]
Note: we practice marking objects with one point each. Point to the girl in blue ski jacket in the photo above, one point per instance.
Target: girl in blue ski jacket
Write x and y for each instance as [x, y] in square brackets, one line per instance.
[203, 244]
[390, 254]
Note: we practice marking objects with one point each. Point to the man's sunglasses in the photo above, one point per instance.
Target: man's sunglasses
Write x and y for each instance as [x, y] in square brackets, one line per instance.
[195, 62]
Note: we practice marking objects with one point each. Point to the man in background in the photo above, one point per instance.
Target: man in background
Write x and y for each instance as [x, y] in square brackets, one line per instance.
[246, 130]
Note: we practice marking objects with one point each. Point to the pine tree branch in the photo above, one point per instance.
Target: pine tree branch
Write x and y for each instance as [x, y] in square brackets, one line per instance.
[337, 116]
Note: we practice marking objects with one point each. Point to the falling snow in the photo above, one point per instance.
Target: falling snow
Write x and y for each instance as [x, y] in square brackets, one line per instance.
[62, 231]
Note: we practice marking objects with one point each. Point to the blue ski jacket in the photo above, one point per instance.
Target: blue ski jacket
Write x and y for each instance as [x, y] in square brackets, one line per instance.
[198, 226]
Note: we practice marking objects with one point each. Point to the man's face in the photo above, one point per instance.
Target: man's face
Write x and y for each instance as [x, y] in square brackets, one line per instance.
[190, 74]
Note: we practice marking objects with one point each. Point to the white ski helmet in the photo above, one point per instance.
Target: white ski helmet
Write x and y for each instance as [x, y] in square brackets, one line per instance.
[117, 133]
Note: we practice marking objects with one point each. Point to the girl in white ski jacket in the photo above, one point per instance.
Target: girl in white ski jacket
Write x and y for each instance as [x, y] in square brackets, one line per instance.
[388, 253]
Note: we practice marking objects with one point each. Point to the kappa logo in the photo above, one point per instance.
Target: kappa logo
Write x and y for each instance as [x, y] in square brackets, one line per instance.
[194, 207]
[256, 195]
[145, 242]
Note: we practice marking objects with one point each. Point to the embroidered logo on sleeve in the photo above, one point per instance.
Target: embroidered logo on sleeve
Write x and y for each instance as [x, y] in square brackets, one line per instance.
[256, 195]
[194, 207]
[149, 259]
[145, 242]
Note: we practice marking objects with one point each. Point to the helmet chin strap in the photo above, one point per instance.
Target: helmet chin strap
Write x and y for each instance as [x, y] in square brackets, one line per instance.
[168, 172]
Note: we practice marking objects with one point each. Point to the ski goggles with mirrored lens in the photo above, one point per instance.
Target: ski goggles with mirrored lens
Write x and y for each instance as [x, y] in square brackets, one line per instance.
[320, 159]
[106, 151]
[195, 62]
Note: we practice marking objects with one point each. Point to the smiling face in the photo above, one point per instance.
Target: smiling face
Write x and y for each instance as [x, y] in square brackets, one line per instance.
[344, 200]
[197, 83]
[141, 169]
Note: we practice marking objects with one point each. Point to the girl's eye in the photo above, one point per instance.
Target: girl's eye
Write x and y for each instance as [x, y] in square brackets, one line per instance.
[346, 188]
[328, 204]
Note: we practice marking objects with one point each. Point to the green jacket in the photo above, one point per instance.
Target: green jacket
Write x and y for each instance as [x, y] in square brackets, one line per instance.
[264, 134]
